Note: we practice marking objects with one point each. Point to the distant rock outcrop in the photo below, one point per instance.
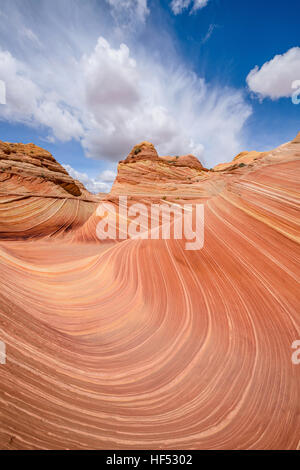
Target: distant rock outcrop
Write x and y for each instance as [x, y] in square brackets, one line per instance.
[37, 195]
[32, 162]
[145, 172]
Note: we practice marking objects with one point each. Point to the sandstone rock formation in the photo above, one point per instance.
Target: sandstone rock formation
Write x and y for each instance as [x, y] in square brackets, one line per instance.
[37, 195]
[144, 172]
[140, 344]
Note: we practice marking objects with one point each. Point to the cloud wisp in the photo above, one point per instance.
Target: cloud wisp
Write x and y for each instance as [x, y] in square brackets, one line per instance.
[128, 12]
[178, 6]
[102, 183]
[209, 33]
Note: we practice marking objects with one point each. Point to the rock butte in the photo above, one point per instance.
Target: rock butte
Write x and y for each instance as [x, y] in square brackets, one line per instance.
[141, 344]
[38, 197]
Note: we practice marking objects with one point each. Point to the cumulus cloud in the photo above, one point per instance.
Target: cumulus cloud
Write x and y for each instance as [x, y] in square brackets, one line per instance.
[109, 96]
[28, 103]
[101, 184]
[132, 101]
[274, 79]
[117, 101]
[178, 6]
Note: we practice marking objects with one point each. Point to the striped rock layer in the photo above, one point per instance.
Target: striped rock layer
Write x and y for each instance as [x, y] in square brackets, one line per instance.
[141, 344]
[38, 197]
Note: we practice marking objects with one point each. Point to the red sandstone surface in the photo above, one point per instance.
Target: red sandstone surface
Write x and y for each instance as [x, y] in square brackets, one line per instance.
[38, 197]
[140, 344]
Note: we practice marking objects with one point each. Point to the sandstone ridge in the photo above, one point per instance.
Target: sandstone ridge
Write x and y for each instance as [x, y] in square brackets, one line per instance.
[38, 197]
[31, 161]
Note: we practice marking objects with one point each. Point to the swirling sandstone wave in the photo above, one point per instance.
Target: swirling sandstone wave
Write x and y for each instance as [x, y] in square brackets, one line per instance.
[142, 344]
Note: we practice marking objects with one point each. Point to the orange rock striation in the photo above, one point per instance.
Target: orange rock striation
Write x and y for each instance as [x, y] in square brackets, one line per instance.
[141, 344]
[37, 195]
[144, 172]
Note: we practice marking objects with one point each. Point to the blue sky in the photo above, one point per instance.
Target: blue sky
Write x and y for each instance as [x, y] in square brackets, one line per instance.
[89, 79]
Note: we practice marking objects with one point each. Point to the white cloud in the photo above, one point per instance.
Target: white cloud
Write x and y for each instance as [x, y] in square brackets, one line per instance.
[108, 176]
[198, 4]
[274, 79]
[28, 103]
[178, 6]
[131, 101]
[94, 185]
[129, 11]
[110, 102]
[110, 79]
[109, 97]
